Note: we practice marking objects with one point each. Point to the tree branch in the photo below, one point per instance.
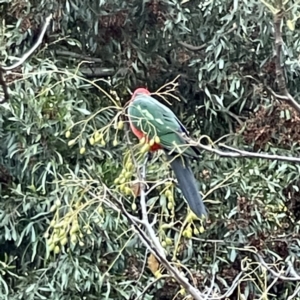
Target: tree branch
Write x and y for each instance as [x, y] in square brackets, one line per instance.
[97, 72]
[77, 56]
[152, 242]
[237, 153]
[31, 50]
[21, 60]
[295, 276]
[278, 16]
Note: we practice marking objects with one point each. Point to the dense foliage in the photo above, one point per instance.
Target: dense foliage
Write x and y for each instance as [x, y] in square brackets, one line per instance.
[66, 162]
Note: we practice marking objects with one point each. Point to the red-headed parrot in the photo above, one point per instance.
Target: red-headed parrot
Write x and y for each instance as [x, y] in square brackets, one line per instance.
[149, 118]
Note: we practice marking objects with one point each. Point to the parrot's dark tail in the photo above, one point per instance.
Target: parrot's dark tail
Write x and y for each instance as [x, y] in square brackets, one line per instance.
[187, 184]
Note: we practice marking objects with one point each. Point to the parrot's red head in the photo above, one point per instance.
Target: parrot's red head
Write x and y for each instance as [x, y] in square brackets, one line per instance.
[142, 91]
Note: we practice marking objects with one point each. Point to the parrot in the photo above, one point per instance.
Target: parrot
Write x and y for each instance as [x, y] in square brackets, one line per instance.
[149, 119]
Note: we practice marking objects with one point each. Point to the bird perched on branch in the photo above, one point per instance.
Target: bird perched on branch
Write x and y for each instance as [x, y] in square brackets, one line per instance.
[153, 121]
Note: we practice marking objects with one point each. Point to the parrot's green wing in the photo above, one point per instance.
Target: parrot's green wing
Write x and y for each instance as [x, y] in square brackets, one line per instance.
[155, 119]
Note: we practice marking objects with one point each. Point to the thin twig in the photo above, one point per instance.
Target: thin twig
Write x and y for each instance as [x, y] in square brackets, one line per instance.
[296, 277]
[231, 288]
[297, 290]
[150, 284]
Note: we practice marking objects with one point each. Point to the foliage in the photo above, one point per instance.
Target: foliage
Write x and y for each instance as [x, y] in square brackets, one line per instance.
[66, 162]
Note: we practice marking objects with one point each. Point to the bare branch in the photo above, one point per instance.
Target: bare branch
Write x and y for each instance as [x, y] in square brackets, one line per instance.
[21, 60]
[278, 17]
[295, 276]
[237, 153]
[97, 71]
[77, 56]
[31, 50]
[231, 288]
[297, 290]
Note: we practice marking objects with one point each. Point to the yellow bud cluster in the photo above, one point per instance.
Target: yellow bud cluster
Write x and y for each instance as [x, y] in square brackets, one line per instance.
[58, 238]
[187, 233]
[147, 144]
[97, 137]
[168, 241]
[63, 231]
[124, 178]
[168, 192]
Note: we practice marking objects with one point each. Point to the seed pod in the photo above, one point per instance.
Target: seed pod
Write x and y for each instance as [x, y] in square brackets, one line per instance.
[120, 125]
[58, 203]
[73, 238]
[170, 205]
[82, 150]
[92, 141]
[182, 292]
[127, 190]
[133, 206]
[189, 234]
[68, 134]
[127, 175]
[115, 143]
[168, 193]
[72, 142]
[51, 247]
[64, 241]
[169, 241]
[201, 229]
[171, 198]
[129, 165]
[122, 187]
[157, 139]
[164, 244]
[56, 249]
[98, 136]
[145, 148]
[53, 208]
[122, 180]
[142, 140]
[157, 274]
[74, 228]
[151, 142]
